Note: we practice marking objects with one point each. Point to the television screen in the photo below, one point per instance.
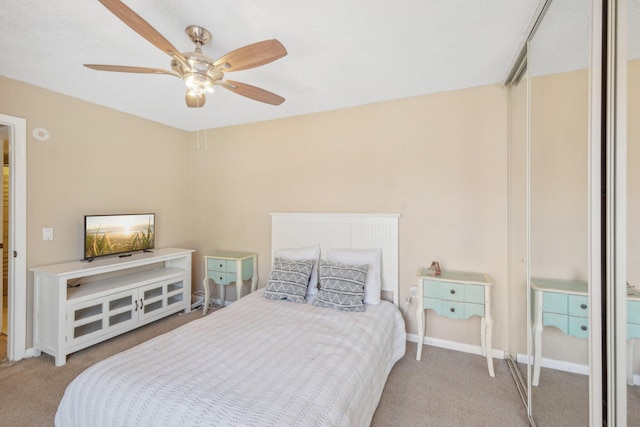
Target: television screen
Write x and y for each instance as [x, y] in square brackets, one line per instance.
[118, 234]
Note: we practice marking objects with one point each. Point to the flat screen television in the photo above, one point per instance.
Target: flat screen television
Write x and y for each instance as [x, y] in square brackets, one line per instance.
[121, 234]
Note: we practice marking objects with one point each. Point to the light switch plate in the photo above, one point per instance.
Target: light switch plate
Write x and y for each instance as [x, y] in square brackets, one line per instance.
[47, 234]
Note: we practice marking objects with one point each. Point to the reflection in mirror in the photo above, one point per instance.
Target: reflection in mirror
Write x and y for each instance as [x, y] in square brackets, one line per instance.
[633, 212]
[558, 59]
[517, 229]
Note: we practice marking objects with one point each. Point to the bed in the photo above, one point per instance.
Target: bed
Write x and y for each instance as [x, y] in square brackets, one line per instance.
[259, 361]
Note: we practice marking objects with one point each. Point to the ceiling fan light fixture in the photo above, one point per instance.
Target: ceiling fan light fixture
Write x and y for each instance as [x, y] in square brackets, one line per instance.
[198, 83]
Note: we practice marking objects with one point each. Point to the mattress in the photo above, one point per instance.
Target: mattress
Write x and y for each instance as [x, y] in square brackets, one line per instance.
[257, 362]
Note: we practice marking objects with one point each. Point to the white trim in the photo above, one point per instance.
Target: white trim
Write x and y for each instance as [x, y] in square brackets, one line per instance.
[457, 346]
[617, 299]
[594, 217]
[558, 365]
[17, 304]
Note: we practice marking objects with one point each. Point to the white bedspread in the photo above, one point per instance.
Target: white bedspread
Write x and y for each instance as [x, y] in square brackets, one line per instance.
[256, 362]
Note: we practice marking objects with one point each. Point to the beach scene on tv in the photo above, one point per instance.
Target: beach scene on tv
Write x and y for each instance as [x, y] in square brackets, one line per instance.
[117, 234]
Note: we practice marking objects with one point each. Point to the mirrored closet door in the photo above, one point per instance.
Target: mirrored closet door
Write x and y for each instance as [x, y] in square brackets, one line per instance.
[582, 207]
[558, 78]
[630, 38]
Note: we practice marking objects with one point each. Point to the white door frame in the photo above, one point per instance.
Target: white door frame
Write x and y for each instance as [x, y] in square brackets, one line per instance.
[17, 250]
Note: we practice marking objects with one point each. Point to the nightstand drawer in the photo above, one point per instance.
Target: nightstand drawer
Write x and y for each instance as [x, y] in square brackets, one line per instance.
[222, 278]
[560, 321]
[214, 264]
[452, 310]
[633, 311]
[579, 327]
[432, 289]
[471, 309]
[633, 331]
[452, 291]
[474, 294]
[554, 302]
[578, 305]
[434, 304]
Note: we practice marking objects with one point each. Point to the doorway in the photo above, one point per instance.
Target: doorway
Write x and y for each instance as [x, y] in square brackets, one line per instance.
[16, 298]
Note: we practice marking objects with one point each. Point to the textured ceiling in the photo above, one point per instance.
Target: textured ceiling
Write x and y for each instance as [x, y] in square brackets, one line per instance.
[340, 53]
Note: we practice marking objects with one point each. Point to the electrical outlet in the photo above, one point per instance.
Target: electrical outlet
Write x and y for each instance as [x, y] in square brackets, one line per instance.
[414, 292]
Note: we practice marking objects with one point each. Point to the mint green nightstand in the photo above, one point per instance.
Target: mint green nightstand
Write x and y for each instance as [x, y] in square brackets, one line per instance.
[563, 304]
[226, 267]
[456, 295]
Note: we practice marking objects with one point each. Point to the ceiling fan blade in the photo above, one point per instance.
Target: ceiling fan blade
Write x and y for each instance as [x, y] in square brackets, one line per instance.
[142, 27]
[128, 69]
[252, 92]
[251, 56]
[195, 101]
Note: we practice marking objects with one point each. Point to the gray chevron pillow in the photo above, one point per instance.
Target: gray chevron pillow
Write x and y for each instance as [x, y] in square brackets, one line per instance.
[341, 286]
[289, 279]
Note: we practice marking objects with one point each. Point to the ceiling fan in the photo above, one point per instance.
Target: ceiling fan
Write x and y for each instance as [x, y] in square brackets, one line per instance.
[199, 72]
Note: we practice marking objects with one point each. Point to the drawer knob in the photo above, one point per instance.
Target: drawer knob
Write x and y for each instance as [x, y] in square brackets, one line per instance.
[452, 309]
[583, 306]
[453, 291]
[583, 327]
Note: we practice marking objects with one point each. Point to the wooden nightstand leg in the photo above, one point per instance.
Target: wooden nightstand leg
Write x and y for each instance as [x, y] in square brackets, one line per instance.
[223, 294]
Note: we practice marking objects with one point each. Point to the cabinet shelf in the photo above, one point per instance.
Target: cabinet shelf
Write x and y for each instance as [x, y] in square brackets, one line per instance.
[128, 281]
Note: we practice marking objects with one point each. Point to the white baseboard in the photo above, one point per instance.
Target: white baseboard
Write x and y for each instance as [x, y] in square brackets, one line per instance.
[559, 365]
[457, 346]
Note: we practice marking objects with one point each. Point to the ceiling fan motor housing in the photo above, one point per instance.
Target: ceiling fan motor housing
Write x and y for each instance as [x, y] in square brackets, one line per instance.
[199, 35]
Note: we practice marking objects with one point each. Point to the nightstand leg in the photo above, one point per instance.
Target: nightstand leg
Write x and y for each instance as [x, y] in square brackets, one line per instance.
[254, 279]
[630, 344]
[489, 350]
[421, 327]
[537, 338]
[223, 294]
[483, 336]
[239, 281]
[207, 292]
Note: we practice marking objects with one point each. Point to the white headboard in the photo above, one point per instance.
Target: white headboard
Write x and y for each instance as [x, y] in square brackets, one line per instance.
[342, 230]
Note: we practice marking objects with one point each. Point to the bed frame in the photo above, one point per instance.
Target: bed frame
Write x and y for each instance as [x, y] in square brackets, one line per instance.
[342, 230]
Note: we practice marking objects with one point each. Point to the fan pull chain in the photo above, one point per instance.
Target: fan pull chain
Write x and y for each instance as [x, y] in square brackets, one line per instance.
[201, 113]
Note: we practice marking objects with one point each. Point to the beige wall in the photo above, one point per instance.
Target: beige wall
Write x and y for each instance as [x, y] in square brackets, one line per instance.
[440, 160]
[96, 161]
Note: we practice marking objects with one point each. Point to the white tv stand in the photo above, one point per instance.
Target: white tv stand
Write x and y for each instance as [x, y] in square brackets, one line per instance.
[81, 303]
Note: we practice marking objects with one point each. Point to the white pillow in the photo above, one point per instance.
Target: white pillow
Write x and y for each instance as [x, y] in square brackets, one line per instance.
[297, 254]
[373, 259]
